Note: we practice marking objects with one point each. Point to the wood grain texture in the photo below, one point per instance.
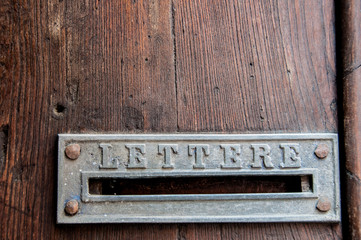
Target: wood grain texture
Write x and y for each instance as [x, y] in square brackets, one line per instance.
[259, 231]
[118, 66]
[352, 126]
[154, 66]
[77, 66]
[351, 75]
[351, 35]
[255, 66]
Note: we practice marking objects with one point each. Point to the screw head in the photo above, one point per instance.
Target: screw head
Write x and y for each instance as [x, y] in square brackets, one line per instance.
[72, 207]
[322, 151]
[323, 204]
[72, 151]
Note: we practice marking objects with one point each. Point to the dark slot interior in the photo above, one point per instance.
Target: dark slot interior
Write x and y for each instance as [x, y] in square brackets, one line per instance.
[200, 185]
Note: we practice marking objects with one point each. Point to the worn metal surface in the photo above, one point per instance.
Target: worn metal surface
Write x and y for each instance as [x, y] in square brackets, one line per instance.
[71, 207]
[72, 151]
[185, 155]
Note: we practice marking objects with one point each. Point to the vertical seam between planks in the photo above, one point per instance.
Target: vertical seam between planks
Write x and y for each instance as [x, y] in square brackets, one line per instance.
[174, 58]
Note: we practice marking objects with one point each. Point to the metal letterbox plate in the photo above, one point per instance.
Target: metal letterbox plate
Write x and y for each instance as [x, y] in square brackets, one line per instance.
[124, 157]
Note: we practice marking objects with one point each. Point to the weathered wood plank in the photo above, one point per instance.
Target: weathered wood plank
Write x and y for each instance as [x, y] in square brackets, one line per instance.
[256, 66]
[259, 231]
[119, 70]
[350, 14]
[77, 66]
[127, 66]
[281, 231]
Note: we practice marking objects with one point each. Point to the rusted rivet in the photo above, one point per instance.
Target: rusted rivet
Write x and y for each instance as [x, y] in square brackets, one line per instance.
[323, 204]
[72, 151]
[322, 151]
[72, 207]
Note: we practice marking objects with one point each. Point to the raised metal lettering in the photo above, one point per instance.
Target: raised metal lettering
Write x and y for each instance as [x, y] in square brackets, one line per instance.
[290, 155]
[198, 149]
[167, 149]
[107, 161]
[231, 156]
[261, 152]
[136, 159]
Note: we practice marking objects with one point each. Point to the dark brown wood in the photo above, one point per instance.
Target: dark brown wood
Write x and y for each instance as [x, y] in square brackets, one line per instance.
[255, 66]
[351, 74]
[154, 66]
[77, 66]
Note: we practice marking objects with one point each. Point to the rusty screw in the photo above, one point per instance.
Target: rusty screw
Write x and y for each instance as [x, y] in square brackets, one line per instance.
[322, 151]
[72, 151]
[72, 207]
[323, 204]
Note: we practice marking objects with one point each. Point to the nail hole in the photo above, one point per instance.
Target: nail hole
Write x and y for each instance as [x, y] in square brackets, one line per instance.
[59, 110]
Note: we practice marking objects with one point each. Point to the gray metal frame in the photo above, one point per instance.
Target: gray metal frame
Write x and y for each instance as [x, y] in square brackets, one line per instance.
[73, 178]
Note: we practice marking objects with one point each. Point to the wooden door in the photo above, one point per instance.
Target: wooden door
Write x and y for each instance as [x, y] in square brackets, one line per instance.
[155, 66]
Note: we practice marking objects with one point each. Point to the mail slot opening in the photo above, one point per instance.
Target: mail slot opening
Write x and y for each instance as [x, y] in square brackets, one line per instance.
[200, 185]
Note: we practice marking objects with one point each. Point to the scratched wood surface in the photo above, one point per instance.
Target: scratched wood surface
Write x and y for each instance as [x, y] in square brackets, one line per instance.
[351, 78]
[154, 66]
